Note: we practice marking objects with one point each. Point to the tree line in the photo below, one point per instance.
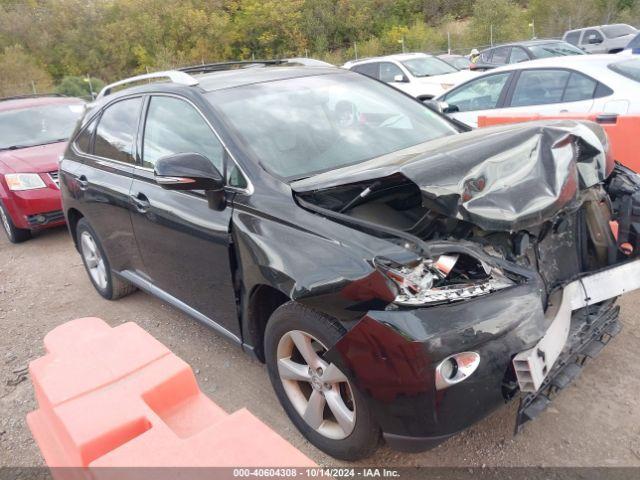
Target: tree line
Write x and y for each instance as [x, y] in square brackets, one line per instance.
[47, 44]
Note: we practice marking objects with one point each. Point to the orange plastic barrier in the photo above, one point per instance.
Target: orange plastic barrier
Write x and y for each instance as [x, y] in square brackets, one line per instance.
[116, 397]
[623, 131]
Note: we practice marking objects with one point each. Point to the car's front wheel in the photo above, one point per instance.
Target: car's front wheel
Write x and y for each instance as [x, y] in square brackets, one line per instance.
[97, 264]
[15, 234]
[318, 397]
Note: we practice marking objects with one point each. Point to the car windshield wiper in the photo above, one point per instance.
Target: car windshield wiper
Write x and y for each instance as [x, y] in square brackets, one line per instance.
[361, 195]
[18, 147]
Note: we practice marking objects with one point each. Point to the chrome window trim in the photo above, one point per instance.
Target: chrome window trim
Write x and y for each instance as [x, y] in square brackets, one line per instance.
[247, 191]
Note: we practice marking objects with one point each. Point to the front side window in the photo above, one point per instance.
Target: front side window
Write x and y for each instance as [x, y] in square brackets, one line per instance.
[298, 127]
[480, 94]
[539, 87]
[428, 66]
[591, 37]
[389, 71]
[28, 127]
[174, 126]
[116, 132]
[628, 68]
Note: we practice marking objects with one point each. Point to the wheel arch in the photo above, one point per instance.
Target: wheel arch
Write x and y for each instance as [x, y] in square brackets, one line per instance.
[73, 217]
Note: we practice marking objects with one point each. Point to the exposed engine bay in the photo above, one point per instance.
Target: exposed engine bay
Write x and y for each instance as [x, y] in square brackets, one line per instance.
[546, 198]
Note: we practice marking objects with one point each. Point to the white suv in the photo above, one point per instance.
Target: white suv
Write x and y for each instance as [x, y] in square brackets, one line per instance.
[418, 74]
[601, 39]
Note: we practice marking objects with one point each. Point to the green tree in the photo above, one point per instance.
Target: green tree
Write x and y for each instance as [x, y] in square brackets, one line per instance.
[79, 86]
[21, 73]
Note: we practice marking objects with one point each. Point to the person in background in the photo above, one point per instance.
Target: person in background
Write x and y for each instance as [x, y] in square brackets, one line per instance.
[473, 56]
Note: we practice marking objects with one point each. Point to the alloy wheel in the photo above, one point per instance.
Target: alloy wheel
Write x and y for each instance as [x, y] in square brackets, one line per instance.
[319, 391]
[93, 259]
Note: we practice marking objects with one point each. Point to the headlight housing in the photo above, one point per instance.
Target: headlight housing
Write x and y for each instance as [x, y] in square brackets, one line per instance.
[448, 278]
[24, 181]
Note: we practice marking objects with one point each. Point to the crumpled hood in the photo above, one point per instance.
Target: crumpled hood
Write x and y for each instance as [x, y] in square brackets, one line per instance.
[502, 178]
[38, 159]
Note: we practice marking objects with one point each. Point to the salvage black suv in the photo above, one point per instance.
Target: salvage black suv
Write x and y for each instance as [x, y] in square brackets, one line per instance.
[400, 277]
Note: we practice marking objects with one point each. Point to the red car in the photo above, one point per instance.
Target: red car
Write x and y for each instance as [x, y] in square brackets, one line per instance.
[33, 134]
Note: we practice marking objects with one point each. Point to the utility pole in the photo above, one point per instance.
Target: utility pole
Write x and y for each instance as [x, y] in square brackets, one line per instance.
[491, 34]
[355, 48]
[33, 86]
[402, 42]
[449, 42]
[533, 28]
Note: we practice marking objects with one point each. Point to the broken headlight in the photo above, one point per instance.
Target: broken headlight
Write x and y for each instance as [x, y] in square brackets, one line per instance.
[448, 278]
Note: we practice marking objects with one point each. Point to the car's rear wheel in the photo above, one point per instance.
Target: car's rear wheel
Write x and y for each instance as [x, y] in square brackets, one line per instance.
[318, 398]
[15, 234]
[97, 265]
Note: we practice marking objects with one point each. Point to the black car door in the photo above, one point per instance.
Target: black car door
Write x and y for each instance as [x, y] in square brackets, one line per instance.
[184, 244]
[99, 178]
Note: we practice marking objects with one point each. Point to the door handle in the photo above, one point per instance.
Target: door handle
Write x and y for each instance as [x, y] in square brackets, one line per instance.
[141, 202]
[83, 183]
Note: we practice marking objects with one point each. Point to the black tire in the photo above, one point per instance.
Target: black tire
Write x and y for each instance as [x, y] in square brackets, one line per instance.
[364, 439]
[14, 234]
[115, 286]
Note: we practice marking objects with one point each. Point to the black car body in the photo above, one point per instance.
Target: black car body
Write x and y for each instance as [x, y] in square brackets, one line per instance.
[521, 52]
[433, 277]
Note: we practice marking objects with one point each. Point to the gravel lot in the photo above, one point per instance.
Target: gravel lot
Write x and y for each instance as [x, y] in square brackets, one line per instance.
[596, 422]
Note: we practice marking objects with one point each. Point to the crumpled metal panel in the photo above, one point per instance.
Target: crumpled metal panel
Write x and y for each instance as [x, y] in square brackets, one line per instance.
[503, 178]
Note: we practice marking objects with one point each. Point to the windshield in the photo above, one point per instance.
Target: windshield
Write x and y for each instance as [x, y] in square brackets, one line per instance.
[615, 31]
[299, 127]
[554, 49]
[28, 127]
[628, 68]
[428, 66]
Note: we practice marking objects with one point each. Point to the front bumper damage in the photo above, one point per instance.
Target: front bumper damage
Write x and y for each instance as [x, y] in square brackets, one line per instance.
[391, 356]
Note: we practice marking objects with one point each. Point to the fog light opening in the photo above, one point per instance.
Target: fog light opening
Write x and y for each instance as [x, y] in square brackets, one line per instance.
[456, 368]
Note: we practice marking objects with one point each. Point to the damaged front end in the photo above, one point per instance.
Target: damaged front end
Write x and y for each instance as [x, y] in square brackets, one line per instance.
[510, 230]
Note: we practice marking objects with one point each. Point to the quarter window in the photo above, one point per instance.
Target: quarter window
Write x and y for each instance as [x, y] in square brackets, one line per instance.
[174, 126]
[539, 87]
[116, 132]
[480, 94]
[579, 88]
[83, 140]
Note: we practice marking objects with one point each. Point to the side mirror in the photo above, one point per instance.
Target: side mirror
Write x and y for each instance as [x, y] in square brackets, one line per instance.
[187, 171]
[400, 79]
[442, 107]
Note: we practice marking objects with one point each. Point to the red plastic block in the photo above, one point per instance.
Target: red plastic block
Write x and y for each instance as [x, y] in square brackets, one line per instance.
[623, 131]
[116, 397]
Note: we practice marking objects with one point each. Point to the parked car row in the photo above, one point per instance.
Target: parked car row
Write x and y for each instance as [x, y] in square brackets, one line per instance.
[401, 275]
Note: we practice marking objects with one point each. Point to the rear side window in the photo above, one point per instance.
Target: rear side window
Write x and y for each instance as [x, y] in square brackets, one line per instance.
[500, 55]
[518, 55]
[116, 132]
[84, 139]
[480, 94]
[580, 87]
[573, 37]
[539, 87]
[174, 126]
[368, 69]
[635, 43]
[628, 68]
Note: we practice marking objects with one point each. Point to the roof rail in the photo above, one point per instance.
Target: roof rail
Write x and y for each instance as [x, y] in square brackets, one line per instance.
[31, 95]
[173, 75]
[218, 66]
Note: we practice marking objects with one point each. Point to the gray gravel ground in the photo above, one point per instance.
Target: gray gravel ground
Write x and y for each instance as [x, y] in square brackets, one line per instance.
[596, 422]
